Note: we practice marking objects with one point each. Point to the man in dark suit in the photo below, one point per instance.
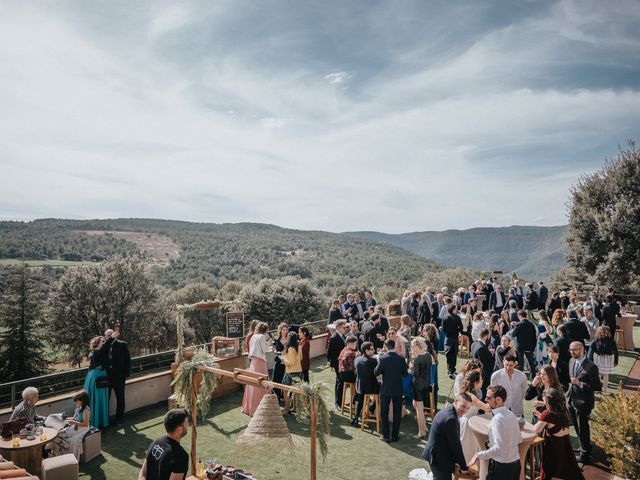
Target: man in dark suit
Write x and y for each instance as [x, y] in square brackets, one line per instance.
[453, 328]
[393, 369]
[525, 335]
[119, 370]
[531, 301]
[366, 381]
[336, 344]
[371, 302]
[444, 450]
[471, 293]
[609, 316]
[497, 300]
[376, 334]
[480, 351]
[543, 296]
[585, 380]
[577, 331]
[358, 307]
[435, 309]
[346, 306]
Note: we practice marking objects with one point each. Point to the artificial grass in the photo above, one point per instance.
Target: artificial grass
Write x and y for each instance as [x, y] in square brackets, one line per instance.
[353, 454]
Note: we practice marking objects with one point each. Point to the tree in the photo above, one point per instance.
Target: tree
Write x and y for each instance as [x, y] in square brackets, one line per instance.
[22, 351]
[604, 221]
[117, 293]
[204, 324]
[452, 278]
[287, 300]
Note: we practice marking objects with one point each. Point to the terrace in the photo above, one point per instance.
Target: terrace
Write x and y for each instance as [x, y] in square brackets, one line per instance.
[352, 452]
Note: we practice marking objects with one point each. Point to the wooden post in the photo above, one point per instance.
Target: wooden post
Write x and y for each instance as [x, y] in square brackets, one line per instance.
[197, 380]
[312, 432]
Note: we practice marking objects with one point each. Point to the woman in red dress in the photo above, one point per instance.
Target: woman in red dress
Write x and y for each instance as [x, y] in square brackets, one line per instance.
[558, 459]
[305, 346]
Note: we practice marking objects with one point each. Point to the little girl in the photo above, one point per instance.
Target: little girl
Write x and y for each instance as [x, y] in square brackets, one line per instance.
[604, 353]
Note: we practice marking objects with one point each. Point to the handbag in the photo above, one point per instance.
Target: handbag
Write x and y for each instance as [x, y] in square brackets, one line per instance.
[103, 382]
[9, 429]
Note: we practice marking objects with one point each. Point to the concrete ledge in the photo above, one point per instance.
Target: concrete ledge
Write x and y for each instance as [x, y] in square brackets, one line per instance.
[155, 387]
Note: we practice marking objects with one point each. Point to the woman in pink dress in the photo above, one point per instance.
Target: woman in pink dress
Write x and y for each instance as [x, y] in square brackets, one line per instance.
[258, 348]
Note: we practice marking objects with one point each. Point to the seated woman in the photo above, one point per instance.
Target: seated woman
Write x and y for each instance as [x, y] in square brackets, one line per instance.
[27, 407]
[69, 439]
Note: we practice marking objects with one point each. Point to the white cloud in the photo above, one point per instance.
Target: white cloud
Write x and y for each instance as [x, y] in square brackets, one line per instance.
[93, 129]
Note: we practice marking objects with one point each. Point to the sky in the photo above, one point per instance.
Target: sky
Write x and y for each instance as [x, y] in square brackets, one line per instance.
[387, 115]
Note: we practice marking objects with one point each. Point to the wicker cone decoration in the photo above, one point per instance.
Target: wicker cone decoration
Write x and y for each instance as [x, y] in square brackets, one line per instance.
[267, 428]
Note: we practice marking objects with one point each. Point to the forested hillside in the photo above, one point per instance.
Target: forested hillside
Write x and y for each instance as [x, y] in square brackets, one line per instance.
[532, 252]
[217, 253]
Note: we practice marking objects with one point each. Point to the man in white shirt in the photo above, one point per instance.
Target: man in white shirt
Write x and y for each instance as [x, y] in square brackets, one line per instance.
[514, 382]
[504, 437]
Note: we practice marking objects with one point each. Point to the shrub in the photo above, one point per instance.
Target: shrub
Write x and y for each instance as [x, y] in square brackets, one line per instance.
[616, 423]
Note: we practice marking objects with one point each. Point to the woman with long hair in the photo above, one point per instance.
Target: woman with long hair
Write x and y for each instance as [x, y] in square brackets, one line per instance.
[252, 328]
[258, 363]
[278, 346]
[503, 323]
[421, 385]
[96, 384]
[471, 365]
[472, 384]
[558, 459]
[506, 347]
[547, 377]
[292, 359]
[69, 440]
[305, 347]
[430, 335]
[604, 353]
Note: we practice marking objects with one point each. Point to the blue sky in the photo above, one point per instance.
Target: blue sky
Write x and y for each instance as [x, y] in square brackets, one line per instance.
[390, 116]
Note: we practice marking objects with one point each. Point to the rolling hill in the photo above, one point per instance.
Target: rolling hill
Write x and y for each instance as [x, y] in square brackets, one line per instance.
[532, 252]
[180, 253]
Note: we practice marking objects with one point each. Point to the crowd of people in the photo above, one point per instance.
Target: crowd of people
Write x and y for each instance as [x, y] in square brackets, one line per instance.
[524, 345]
[109, 366]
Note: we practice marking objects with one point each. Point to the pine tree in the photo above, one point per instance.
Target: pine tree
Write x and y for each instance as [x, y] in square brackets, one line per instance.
[21, 342]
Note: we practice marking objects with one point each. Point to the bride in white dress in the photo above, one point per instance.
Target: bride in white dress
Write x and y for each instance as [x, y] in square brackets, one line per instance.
[472, 384]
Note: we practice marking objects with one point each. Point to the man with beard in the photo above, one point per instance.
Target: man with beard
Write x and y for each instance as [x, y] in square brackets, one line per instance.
[166, 459]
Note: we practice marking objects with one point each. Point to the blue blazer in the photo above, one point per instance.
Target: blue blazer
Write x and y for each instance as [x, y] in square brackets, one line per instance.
[393, 369]
[443, 448]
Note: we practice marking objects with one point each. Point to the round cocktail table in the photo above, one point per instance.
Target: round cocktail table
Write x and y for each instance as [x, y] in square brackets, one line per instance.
[480, 427]
[28, 454]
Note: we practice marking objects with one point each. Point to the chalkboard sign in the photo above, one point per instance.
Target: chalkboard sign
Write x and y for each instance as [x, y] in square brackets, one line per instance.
[235, 324]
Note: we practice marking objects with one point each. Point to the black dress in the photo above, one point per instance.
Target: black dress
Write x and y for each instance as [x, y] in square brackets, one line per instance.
[279, 368]
[558, 459]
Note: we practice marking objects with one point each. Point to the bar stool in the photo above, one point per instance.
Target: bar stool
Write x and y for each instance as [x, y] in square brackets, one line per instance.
[619, 339]
[535, 446]
[431, 409]
[470, 474]
[465, 347]
[367, 417]
[352, 395]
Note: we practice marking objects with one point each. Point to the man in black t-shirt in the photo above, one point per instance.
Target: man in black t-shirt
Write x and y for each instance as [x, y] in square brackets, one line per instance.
[166, 459]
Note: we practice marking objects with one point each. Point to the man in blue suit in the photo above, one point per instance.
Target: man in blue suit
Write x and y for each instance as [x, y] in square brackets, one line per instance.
[444, 450]
[393, 369]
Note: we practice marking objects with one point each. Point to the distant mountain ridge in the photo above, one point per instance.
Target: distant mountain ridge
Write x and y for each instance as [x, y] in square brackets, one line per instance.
[532, 252]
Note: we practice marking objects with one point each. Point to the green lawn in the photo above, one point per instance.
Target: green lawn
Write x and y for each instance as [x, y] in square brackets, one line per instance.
[42, 263]
[352, 454]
